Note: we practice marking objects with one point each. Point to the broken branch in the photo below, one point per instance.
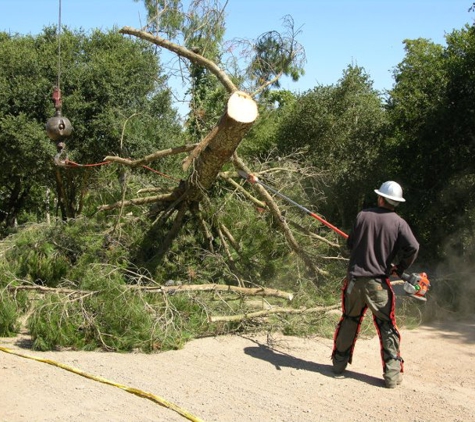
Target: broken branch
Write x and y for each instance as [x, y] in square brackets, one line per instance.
[151, 157]
[256, 291]
[241, 317]
[137, 201]
[183, 52]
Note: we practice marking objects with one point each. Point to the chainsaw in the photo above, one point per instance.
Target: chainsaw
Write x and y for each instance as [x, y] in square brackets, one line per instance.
[416, 285]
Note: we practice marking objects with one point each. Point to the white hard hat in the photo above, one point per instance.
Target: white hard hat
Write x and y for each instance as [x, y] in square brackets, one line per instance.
[391, 191]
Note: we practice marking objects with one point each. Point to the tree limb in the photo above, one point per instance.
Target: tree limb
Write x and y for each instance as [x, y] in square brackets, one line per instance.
[268, 83]
[184, 52]
[175, 229]
[280, 220]
[44, 289]
[204, 227]
[253, 199]
[199, 147]
[151, 157]
[314, 235]
[230, 237]
[138, 201]
[255, 291]
[241, 317]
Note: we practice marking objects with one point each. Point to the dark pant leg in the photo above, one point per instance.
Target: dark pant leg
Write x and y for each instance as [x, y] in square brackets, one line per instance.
[353, 311]
[381, 301]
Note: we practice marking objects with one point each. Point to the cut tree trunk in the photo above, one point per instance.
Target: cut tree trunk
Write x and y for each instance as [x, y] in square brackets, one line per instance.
[217, 148]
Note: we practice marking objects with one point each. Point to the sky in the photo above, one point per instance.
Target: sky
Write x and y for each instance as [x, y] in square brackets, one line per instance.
[334, 33]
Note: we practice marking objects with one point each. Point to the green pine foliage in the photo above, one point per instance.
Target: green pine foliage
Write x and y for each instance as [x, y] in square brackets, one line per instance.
[99, 303]
[9, 315]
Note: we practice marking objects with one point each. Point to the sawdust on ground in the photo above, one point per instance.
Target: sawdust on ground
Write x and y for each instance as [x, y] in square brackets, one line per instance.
[238, 378]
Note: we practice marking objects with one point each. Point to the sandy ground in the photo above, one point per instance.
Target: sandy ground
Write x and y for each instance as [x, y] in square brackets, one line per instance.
[243, 379]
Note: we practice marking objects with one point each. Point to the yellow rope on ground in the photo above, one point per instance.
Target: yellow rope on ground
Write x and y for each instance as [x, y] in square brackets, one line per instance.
[135, 391]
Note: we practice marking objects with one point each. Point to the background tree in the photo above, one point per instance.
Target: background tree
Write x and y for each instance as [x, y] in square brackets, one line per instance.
[342, 131]
[26, 151]
[275, 55]
[431, 108]
[261, 141]
[106, 79]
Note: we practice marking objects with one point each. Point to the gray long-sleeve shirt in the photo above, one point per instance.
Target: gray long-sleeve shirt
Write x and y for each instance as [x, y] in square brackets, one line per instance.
[379, 239]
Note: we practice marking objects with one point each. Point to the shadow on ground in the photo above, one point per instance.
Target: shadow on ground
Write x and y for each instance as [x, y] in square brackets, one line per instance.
[280, 359]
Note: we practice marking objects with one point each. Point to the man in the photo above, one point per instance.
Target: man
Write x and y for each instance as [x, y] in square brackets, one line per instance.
[380, 243]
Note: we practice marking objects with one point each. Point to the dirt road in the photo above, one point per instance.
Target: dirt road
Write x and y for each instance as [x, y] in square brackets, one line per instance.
[243, 379]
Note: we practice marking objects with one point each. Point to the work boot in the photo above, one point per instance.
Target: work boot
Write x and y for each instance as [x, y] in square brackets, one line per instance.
[339, 365]
[393, 382]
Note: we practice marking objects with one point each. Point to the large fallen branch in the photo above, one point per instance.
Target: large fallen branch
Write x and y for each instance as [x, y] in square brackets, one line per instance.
[248, 291]
[257, 314]
[217, 147]
[56, 290]
[257, 291]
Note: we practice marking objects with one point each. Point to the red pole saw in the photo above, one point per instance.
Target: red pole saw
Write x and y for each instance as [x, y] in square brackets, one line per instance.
[253, 179]
[416, 285]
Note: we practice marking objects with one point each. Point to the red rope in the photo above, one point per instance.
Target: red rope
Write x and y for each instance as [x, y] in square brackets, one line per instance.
[161, 174]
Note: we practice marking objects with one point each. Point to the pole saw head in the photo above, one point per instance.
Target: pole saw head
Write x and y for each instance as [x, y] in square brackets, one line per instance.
[249, 177]
[416, 285]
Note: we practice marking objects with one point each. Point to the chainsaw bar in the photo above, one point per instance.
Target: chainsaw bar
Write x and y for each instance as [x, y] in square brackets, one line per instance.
[422, 299]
